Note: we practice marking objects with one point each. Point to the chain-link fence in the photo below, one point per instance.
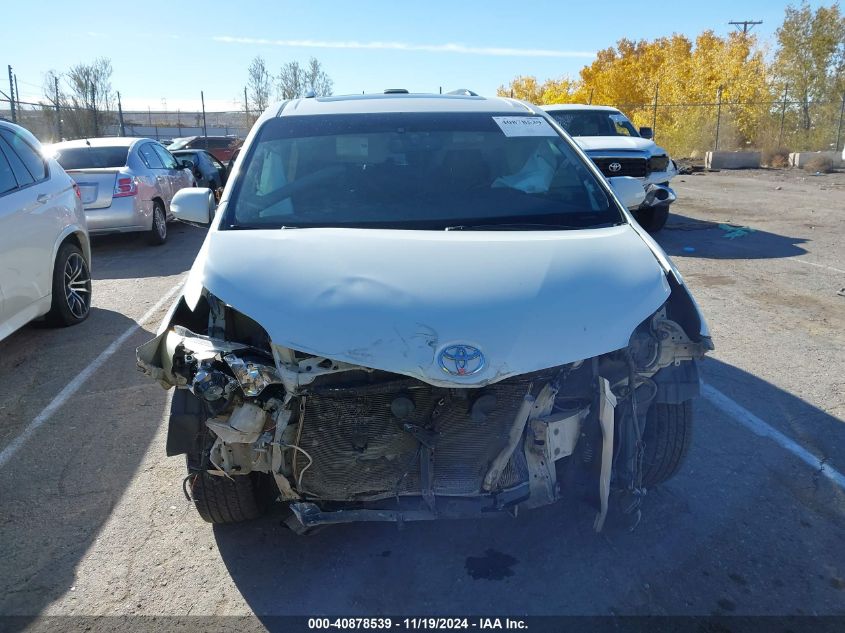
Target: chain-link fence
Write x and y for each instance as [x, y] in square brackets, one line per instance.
[690, 129]
[685, 129]
[50, 123]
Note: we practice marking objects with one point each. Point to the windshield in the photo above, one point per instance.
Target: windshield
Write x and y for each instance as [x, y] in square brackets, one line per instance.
[594, 123]
[91, 157]
[415, 171]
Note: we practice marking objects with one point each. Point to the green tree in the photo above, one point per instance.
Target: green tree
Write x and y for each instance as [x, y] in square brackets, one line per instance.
[810, 55]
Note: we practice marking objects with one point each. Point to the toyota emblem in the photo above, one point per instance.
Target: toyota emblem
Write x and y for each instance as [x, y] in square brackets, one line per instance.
[461, 360]
[614, 167]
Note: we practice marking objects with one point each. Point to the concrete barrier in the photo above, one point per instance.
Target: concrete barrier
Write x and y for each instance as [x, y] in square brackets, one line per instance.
[732, 160]
[799, 159]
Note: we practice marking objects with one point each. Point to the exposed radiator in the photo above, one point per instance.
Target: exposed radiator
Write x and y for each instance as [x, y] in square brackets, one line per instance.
[361, 451]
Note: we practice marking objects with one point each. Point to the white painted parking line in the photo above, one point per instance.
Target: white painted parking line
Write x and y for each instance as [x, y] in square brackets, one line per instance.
[801, 261]
[763, 429]
[74, 385]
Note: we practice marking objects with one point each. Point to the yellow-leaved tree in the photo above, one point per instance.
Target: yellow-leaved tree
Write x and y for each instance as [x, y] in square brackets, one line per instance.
[683, 76]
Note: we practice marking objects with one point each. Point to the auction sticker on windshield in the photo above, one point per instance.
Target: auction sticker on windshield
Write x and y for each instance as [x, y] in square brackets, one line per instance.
[524, 126]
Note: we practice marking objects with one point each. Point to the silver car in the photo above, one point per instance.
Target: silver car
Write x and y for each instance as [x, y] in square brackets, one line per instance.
[126, 183]
[44, 253]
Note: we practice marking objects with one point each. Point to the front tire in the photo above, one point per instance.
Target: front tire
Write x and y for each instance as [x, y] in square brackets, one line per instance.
[217, 498]
[158, 232]
[667, 436]
[654, 218]
[71, 285]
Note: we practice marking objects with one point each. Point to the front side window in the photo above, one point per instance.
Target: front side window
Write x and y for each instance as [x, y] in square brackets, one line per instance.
[594, 122]
[415, 171]
[91, 157]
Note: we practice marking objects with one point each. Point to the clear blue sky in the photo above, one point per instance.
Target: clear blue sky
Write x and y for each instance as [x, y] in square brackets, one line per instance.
[173, 49]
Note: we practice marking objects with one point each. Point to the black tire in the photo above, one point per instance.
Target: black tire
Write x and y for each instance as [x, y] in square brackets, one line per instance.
[158, 232]
[654, 218]
[71, 302]
[219, 499]
[667, 437]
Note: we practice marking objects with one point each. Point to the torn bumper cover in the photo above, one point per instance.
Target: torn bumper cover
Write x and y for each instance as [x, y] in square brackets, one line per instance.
[351, 443]
[656, 194]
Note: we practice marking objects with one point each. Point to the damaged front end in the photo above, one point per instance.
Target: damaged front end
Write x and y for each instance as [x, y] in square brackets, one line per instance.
[345, 442]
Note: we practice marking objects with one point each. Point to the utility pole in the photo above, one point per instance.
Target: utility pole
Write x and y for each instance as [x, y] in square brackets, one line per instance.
[246, 108]
[718, 116]
[745, 25]
[120, 115]
[17, 93]
[12, 96]
[58, 109]
[204, 126]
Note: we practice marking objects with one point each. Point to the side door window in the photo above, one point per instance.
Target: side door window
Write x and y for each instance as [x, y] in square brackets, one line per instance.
[179, 177]
[8, 182]
[153, 161]
[149, 156]
[166, 157]
[27, 155]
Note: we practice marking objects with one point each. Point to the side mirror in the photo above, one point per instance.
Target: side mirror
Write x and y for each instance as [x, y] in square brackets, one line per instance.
[194, 205]
[629, 190]
[647, 133]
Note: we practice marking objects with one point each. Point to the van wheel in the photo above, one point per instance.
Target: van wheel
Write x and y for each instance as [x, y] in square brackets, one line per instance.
[654, 218]
[71, 287]
[667, 436]
[219, 499]
[158, 232]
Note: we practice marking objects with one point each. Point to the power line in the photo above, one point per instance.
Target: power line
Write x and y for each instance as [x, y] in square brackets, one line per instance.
[746, 25]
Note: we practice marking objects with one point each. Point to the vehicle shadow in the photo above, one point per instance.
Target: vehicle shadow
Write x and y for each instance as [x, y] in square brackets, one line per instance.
[129, 256]
[59, 489]
[680, 560]
[685, 236]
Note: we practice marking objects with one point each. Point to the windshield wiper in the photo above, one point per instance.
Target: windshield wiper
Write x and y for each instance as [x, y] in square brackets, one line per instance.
[514, 226]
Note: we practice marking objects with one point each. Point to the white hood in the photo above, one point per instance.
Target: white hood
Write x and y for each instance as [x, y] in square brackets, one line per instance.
[627, 143]
[392, 300]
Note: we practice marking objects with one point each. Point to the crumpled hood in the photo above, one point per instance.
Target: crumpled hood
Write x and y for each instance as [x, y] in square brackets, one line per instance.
[609, 143]
[393, 300]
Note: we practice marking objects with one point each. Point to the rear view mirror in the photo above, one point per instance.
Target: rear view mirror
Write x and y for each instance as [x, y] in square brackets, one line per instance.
[647, 133]
[629, 190]
[194, 205]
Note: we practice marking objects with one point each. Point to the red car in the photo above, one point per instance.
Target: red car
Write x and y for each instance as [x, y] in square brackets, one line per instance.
[221, 147]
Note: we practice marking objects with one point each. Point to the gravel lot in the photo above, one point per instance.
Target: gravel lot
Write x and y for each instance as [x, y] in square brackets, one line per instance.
[93, 520]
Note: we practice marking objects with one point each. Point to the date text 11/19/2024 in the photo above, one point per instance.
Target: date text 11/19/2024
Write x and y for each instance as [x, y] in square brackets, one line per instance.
[417, 623]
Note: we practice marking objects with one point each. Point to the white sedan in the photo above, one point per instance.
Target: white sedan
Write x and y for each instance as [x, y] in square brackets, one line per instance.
[44, 249]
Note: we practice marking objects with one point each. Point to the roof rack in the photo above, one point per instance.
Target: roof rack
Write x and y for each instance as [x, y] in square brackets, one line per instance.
[396, 91]
[466, 92]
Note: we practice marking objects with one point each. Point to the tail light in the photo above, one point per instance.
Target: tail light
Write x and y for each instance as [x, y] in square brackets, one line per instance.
[77, 191]
[125, 186]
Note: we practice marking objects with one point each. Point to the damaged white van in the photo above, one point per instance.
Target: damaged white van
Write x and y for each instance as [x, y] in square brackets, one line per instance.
[410, 307]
